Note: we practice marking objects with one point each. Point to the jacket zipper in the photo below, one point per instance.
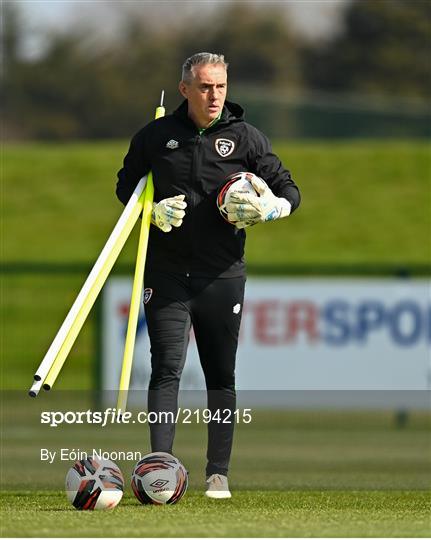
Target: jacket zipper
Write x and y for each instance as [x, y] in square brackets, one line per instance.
[196, 159]
[195, 175]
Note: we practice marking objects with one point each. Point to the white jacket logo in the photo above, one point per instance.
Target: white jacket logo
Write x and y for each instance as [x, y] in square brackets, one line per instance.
[224, 147]
[148, 293]
[172, 144]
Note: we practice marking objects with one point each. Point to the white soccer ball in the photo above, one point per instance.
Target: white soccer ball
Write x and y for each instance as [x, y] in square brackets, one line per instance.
[159, 478]
[94, 484]
[235, 183]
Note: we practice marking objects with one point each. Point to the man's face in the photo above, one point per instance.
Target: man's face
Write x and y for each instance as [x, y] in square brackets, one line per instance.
[206, 93]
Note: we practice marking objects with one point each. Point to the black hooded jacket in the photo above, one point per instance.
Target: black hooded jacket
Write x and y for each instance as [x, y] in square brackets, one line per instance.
[184, 162]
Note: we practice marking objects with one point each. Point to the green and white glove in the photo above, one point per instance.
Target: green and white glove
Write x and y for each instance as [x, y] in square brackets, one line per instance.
[245, 209]
[169, 213]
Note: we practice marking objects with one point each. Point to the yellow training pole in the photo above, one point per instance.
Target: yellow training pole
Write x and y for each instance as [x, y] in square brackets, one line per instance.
[138, 281]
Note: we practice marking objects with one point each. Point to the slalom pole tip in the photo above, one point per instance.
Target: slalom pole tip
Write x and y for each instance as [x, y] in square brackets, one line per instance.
[34, 390]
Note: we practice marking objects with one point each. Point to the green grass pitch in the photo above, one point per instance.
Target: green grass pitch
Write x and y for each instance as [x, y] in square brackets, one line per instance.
[301, 474]
[247, 514]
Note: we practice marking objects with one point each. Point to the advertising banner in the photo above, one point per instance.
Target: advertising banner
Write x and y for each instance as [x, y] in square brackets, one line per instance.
[302, 335]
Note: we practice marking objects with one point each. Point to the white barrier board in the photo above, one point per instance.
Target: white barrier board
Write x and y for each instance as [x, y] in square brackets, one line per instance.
[302, 334]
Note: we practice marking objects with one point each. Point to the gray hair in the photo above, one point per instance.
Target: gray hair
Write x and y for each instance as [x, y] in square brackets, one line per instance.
[200, 59]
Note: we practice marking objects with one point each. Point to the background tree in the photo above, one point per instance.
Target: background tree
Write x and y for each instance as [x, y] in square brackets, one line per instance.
[383, 49]
[82, 86]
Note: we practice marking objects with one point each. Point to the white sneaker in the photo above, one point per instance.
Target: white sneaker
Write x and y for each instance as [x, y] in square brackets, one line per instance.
[218, 487]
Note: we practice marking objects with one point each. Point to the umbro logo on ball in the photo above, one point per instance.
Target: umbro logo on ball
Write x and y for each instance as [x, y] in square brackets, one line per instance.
[224, 147]
[159, 483]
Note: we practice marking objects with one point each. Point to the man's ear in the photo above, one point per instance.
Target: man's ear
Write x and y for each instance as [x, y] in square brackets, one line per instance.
[183, 89]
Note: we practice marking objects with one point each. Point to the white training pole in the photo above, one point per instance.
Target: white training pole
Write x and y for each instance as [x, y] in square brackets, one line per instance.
[35, 389]
[52, 352]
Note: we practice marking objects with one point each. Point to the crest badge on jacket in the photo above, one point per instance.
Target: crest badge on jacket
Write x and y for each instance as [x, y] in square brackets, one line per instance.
[224, 147]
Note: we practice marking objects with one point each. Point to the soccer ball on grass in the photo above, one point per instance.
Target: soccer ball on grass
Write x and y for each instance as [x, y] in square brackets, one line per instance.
[94, 484]
[159, 478]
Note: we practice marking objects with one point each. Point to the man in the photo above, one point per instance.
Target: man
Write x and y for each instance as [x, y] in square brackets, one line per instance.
[195, 271]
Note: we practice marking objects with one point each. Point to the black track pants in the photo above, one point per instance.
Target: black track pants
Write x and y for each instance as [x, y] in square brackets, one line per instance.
[214, 308]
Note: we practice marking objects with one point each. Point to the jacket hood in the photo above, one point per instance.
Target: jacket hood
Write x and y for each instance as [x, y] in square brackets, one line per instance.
[232, 112]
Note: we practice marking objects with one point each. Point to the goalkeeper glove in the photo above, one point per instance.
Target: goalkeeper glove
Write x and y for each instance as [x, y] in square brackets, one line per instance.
[169, 213]
[245, 209]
